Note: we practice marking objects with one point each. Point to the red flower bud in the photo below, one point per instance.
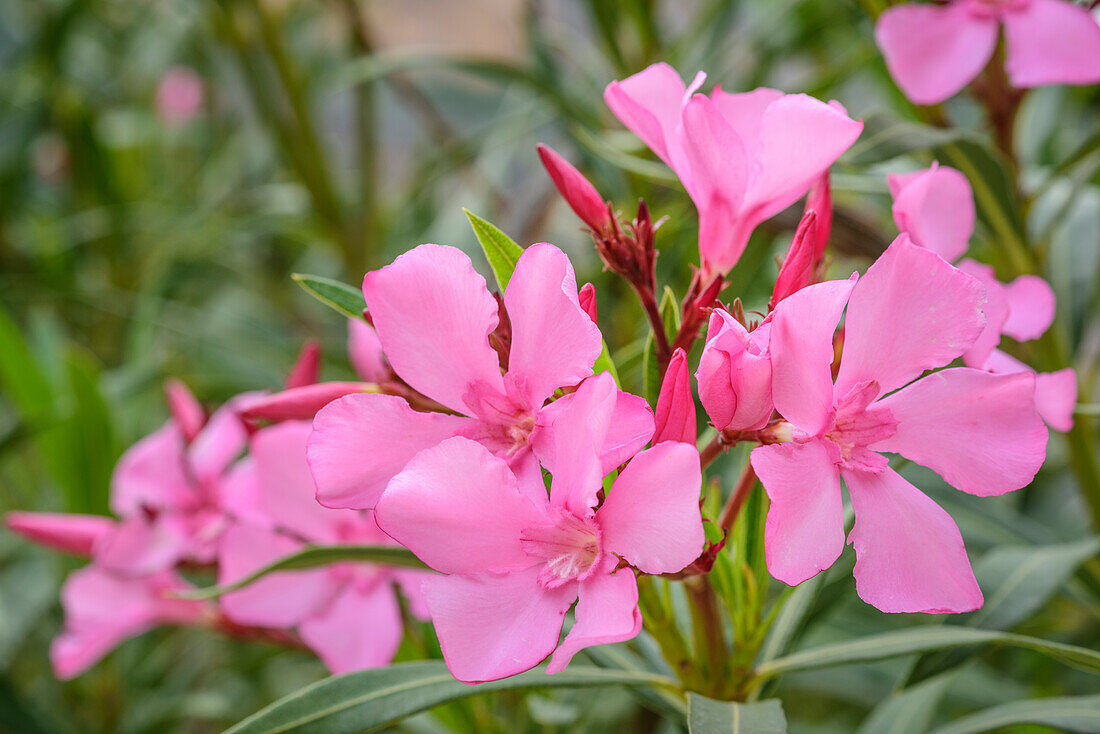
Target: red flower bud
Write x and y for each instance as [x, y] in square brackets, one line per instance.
[799, 267]
[675, 413]
[587, 296]
[307, 368]
[577, 191]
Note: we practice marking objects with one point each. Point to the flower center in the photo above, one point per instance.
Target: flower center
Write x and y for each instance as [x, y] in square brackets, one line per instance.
[570, 548]
[857, 426]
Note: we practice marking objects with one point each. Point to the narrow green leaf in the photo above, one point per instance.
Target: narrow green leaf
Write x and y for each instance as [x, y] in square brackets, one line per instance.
[1068, 713]
[604, 363]
[670, 313]
[342, 297]
[885, 137]
[1019, 580]
[500, 250]
[369, 700]
[791, 618]
[707, 716]
[910, 711]
[651, 372]
[89, 433]
[922, 639]
[313, 556]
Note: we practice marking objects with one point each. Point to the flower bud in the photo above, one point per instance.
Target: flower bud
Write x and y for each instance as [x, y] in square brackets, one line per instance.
[185, 409]
[675, 414]
[587, 296]
[799, 266]
[76, 534]
[577, 191]
[735, 374]
[307, 368]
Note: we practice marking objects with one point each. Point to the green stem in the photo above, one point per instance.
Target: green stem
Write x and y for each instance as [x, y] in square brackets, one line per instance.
[708, 634]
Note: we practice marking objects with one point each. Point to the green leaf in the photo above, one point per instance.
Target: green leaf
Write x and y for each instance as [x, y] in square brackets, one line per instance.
[922, 639]
[500, 250]
[342, 297]
[910, 711]
[670, 313]
[1019, 580]
[313, 556]
[707, 716]
[369, 700]
[791, 618]
[885, 137]
[89, 435]
[651, 371]
[1068, 713]
[604, 363]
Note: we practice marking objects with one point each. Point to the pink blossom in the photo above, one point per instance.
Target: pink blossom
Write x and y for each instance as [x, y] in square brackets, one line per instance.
[743, 158]
[348, 613]
[515, 560]
[179, 95]
[933, 51]
[675, 415]
[102, 609]
[577, 191]
[433, 315]
[910, 313]
[935, 207]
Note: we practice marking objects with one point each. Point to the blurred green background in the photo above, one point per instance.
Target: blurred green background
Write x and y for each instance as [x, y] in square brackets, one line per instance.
[332, 136]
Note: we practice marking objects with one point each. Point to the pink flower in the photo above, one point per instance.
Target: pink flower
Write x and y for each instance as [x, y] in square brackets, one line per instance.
[910, 313]
[516, 560]
[347, 613]
[675, 415]
[933, 51]
[434, 314]
[69, 533]
[735, 373]
[577, 191]
[179, 95]
[742, 157]
[175, 496]
[935, 207]
[102, 609]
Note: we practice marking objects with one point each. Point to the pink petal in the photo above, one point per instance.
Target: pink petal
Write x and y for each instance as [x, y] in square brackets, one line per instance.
[1056, 398]
[996, 310]
[909, 554]
[307, 368]
[286, 485]
[300, 403]
[75, 534]
[365, 352]
[607, 612]
[240, 495]
[140, 545]
[567, 441]
[221, 441]
[800, 137]
[932, 52]
[802, 352]
[649, 103]
[1052, 42]
[675, 415]
[735, 374]
[491, 627]
[1031, 307]
[577, 190]
[719, 169]
[744, 111]
[359, 629]
[935, 207]
[186, 410]
[150, 474]
[278, 600]
[911, 312]
[360, 442]
[979, 431]
[804, 532]
[433, 314]
[458, 508]
[554, 343]
[651, 515]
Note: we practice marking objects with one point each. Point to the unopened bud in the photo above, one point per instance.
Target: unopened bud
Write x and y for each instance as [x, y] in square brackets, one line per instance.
[675, 414]
[820, 202]
[307, 368]
[577, 190]
[799, 266]
[587, 297]
[186, 411]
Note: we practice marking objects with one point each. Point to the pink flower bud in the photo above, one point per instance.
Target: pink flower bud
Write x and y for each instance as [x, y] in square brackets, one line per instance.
[799, 265]
[300, 403]
[179, 95]
[820, 202]
[186, 411]
[365, 352]
[74, 534]
[587, 296]
[307, 368]
[577, 191]
[675, 414]
[735, 374]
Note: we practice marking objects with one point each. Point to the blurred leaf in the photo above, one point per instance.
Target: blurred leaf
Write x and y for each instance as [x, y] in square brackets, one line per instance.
[1019, 580]
[908, 712]
[885, 137]
[1068, 714]
[90, 437]
[604, 363]
[620, 657]
[342, 297]
[314, 556]
[922, 639]
[372, 699]
[20, 376]
[791, 618]
[651, 372]
[707, 716]
[500, 250]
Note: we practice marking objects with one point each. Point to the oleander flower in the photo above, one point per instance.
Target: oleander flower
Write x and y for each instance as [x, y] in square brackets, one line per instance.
[514, 559]
[910, 313]
[743, 158]
[933, 51]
